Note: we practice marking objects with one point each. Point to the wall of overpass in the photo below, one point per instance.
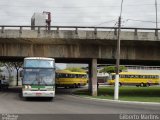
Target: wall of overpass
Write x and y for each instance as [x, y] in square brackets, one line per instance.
[82, 46]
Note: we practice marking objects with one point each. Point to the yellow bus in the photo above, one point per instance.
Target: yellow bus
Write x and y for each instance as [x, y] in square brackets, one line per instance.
[138, 79]
[66, 78]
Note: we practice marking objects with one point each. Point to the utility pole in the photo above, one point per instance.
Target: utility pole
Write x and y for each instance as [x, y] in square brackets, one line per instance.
[156, 14]
[116, 87]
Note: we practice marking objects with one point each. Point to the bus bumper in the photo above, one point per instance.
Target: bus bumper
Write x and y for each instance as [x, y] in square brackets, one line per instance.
[38, 93]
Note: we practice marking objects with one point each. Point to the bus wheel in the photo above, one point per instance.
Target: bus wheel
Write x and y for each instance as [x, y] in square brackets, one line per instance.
[148, 84]
[120, 84]
[50, 98]
[141, 84]
[79, 85]
[74, 85]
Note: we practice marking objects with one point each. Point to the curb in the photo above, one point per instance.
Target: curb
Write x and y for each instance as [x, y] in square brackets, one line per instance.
[118, 101]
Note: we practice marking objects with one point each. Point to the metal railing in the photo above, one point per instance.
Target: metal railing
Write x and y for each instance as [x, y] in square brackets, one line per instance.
[76, 28]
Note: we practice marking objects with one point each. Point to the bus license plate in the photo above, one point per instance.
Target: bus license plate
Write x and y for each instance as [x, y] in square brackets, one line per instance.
[38, 94]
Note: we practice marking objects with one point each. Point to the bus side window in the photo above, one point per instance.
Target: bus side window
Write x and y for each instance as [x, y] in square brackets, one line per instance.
[56, 75]
[121, 76]
[80, 76]
[127, 76]
[131, 76]
[67, 76]
[136, 76]
[63, 75]
[73, 76]
[113, 77]
[76, 75]
[70, 75]
[153, 77]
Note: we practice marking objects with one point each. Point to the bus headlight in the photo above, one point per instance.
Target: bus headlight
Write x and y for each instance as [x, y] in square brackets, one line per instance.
[27, 87]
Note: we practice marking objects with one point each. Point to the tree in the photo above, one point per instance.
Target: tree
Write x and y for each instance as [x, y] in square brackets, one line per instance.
[0, 72]
[74, 69]
[112, 69]
[1, 65]
[17, 66]
[10, 67]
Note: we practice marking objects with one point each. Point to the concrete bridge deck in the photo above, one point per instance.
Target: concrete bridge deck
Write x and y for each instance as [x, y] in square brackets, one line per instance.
[81, 44]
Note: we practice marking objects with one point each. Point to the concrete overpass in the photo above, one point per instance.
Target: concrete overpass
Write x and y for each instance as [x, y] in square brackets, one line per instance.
[81, 45]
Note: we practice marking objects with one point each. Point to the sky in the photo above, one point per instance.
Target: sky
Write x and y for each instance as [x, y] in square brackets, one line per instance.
[136, 13]
[104, 13]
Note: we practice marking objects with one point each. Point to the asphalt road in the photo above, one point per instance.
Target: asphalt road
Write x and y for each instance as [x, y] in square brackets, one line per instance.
[65, 103]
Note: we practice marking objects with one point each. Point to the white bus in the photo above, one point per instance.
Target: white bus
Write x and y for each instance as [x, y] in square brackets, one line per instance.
[38, 77]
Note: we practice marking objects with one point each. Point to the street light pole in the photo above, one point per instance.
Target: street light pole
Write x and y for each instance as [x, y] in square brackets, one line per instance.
[116, 88]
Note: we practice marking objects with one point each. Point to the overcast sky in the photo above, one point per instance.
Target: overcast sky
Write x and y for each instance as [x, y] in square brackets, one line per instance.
[136, 13]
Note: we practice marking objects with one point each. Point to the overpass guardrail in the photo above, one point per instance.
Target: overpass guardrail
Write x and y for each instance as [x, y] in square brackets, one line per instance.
[76, 28]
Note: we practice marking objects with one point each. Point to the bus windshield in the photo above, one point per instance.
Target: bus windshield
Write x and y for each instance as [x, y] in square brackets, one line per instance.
[38, 63]
[38, 77]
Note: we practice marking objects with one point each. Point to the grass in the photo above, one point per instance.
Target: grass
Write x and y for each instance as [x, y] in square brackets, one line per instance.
[127, 93]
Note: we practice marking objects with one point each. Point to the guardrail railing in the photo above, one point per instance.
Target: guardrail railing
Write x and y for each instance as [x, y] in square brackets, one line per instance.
[76, 28]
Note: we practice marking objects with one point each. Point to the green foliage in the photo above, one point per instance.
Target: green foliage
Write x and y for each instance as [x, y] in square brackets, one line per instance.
[122, 68]
[75, 69]
[1, 64]
[111, 69]
[11, 66]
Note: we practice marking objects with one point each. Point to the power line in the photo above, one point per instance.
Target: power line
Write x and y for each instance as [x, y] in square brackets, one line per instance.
[103, 23]
[141, 20]
[112, 29]
[71, 7]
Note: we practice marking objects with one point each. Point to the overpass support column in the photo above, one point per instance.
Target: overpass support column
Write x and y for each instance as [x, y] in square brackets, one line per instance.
[90, 78]
[93, 76]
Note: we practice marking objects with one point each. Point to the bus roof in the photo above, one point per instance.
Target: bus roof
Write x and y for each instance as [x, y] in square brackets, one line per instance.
[136, 73]
[36, 58]
[69, 72]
